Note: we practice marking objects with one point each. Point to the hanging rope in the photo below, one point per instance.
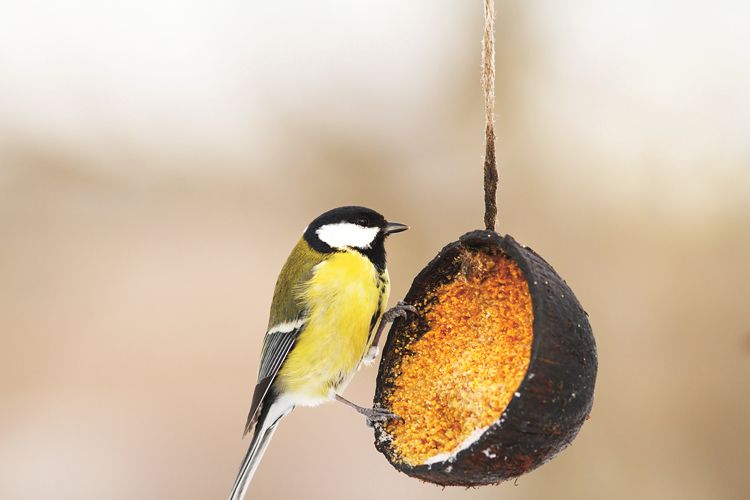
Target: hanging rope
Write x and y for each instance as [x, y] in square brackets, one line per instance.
[488, 84]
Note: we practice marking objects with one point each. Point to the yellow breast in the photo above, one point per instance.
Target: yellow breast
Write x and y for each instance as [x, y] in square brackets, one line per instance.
[344, 294]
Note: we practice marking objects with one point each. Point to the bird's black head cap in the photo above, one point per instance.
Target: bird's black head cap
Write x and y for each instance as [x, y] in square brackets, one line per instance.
[352, 227]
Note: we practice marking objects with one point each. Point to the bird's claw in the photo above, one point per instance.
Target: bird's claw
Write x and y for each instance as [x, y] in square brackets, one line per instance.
[400, 310]
[377, 415]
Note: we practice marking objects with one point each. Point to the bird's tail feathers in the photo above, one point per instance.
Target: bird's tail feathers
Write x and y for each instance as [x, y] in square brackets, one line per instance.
[264, 429]
[258, 445]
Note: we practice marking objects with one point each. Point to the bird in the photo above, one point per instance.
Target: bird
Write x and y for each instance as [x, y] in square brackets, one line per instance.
[326, 319]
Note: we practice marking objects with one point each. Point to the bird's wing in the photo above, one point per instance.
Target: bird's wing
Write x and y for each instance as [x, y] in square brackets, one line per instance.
[278, 342]
[288, 316]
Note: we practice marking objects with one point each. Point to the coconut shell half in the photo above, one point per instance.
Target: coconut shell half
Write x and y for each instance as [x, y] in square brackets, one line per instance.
[494, 387]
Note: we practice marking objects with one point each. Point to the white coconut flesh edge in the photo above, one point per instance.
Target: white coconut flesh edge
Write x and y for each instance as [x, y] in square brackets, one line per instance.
[450, 457]
[466, 443]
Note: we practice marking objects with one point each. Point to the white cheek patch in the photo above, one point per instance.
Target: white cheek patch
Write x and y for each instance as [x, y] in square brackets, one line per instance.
[346, 234]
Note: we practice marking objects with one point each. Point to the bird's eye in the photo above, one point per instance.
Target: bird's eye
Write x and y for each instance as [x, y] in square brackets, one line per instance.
[363, 221]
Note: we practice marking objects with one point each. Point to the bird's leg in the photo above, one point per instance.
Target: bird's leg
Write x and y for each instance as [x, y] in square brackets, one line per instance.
[400, 310]
[371, 414]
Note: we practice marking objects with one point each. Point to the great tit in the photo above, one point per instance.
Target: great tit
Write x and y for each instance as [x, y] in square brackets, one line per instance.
[326, 319]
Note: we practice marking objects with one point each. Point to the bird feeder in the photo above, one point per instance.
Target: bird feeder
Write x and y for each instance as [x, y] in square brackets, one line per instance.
[494, 374]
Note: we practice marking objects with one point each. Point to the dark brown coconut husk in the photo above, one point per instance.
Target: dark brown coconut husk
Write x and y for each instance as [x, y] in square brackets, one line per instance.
[554, 397]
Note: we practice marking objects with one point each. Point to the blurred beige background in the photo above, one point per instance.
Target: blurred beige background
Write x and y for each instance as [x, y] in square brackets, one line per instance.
[158, 160]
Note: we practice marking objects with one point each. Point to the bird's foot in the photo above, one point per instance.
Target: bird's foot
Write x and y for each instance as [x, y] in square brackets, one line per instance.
[372, 415]
[400, 310]
[377, 415]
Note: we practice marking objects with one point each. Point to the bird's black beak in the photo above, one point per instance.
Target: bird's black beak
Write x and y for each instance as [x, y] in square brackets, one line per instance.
[394, 227]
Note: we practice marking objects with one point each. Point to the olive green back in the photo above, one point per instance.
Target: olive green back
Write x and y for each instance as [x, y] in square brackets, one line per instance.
[297, 270]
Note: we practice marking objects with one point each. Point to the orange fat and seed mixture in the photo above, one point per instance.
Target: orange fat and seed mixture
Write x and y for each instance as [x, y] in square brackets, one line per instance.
[463, 372]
